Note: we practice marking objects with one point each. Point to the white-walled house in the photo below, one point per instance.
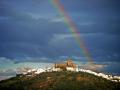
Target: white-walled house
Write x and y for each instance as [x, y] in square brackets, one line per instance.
[56, 69]
[39, 71]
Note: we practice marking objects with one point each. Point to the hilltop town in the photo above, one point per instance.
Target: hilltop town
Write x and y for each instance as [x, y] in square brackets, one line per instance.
[69, 65]
[61, 76]
[59, 80]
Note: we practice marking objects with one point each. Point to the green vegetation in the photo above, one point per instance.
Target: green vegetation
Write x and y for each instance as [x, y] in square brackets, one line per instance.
[59, 81]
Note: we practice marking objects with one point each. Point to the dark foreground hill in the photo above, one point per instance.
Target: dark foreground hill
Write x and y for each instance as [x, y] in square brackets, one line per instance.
[59, 81]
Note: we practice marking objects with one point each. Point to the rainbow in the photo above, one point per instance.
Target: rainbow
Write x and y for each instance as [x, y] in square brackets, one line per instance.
[73, 29]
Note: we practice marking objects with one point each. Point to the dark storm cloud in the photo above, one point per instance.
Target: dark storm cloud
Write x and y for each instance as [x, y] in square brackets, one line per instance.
[35, 28]
[102, 15]
[95, 16]
[91, 5]
[23, 35]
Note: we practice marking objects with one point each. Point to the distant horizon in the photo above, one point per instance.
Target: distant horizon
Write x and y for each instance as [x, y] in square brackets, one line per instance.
[9, 68]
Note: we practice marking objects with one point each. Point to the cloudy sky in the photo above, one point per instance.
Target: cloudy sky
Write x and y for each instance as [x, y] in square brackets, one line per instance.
[34, 30]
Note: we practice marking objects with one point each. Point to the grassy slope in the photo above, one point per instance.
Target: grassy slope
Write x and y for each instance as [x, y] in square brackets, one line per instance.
[59, 81]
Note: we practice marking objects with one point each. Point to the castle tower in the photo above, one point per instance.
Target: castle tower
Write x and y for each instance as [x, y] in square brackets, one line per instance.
[69, 62]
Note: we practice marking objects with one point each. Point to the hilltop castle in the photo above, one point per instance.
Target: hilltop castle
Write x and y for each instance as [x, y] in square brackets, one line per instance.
[67, 66]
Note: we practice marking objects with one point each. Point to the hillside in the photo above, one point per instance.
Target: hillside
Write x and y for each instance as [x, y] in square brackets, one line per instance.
[59, 81]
